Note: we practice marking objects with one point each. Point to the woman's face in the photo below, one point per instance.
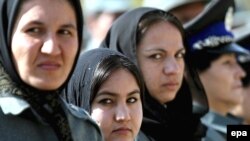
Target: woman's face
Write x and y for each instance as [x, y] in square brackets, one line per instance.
[117, 107]
[45, 42]
[160, 58]
[222, 81]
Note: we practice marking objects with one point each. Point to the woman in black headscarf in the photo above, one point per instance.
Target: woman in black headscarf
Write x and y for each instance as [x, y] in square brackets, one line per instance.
[110, 88]
[38, 51]
[154, 40]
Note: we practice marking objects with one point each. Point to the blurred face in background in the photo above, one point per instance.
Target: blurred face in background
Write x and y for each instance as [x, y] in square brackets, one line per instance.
[44, 45]
[160, 56]
[222, 83]
[117, 107]
[100, 24]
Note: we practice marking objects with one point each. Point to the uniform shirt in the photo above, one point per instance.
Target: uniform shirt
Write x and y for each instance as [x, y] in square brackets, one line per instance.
[19, 122]
[217, 126]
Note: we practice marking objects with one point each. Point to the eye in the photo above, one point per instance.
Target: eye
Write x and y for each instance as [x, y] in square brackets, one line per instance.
[181, 54]
[156, 56]
[229, 63]
[33, 30]
[64, 32]
[105, 101]
[132, 100]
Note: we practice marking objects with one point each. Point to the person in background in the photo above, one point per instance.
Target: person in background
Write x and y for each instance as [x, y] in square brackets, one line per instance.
[184, 10]
[154, 40]
[214, 55]
[241, 33]
[242, 111]
[38, 52]
[110, 88]
[100, 14]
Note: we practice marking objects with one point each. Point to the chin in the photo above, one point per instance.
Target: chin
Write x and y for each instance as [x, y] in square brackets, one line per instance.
[46, 86]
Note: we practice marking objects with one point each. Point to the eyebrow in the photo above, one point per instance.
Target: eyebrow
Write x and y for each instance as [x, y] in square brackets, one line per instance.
[162, 50]
[68, 25]
[115, 94]
[155, 49]
[35, 22]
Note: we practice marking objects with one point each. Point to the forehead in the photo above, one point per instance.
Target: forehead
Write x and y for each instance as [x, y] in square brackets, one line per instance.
[45, 5]
[162, 34]
[46, 10]
[164, 25]
[120, 81]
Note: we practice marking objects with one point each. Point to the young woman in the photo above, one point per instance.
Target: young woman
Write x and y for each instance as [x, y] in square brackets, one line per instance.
[38, 51]
[110, 87]
[154, 40]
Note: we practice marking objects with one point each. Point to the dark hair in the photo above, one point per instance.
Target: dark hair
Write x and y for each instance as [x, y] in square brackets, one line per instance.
[154, 17]
[109, 65]
[246, 79]
[203, 64]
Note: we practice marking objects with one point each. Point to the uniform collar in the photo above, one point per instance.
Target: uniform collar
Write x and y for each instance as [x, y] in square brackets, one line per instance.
[219, 122]
[13, 105]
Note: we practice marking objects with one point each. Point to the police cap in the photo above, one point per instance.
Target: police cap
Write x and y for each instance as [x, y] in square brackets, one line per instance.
[211, 31]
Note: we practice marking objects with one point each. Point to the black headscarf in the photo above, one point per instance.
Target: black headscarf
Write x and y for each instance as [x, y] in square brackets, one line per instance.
[9, 10]
[80, 82]
[179, 116]
[80, 90]
[56, 117]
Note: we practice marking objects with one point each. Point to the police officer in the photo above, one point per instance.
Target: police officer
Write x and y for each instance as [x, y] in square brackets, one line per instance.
[214, 55]
[243, 110]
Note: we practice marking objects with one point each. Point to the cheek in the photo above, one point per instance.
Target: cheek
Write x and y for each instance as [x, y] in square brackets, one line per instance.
[24, 51]
[150, 72]
[103, 119]
[137, 113]
[182, 69]
[97, 115]
[70, 50]
[136, 116]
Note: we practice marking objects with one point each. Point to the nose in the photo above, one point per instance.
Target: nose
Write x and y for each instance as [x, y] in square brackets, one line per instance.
[240, 72]
[122, 113]
[51, 46]
[171, 66]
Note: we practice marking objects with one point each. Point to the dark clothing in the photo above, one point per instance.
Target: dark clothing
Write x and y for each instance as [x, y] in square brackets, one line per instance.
[176, 120]
[27, 125]
[165, 123]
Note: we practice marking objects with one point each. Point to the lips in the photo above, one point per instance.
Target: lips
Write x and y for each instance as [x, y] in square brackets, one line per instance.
[49, 65]
[122, 131]
[171, 85]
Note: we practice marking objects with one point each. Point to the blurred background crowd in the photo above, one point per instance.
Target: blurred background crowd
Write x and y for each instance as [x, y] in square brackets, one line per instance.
[99, 14]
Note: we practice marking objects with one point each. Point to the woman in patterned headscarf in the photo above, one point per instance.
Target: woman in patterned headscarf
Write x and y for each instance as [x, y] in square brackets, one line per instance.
[38, 51]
